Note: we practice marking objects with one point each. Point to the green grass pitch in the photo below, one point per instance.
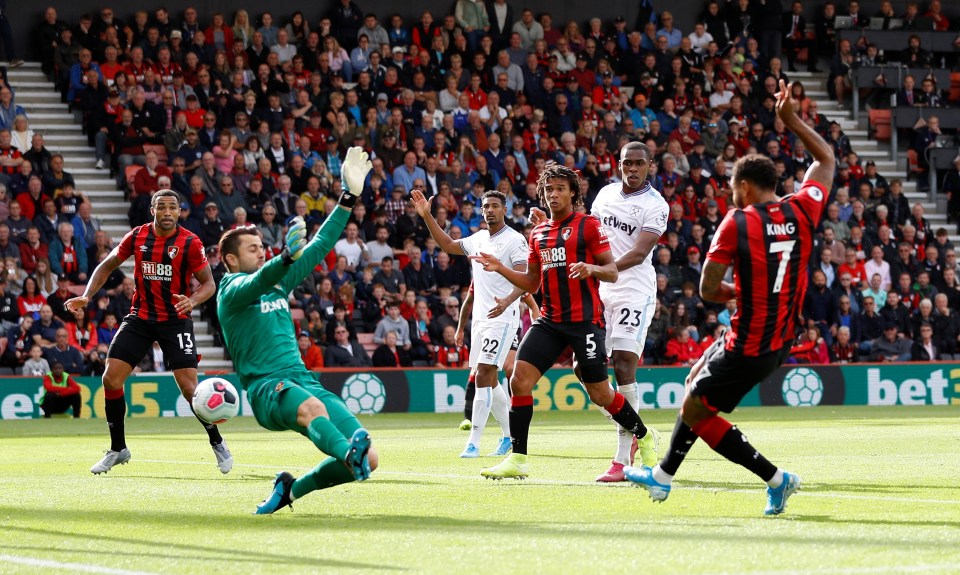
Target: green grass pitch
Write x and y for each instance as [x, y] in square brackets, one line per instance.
[880, 495]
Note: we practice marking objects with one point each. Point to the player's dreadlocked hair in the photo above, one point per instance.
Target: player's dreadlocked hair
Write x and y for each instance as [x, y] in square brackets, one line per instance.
[554, 170]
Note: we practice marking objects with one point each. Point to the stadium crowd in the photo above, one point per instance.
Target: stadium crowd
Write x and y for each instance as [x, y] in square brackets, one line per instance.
[250, 121]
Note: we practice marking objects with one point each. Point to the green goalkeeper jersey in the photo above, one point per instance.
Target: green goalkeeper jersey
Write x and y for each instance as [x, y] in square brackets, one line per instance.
[254, 314]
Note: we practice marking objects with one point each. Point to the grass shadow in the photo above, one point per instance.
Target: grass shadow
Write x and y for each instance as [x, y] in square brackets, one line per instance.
[206, 552]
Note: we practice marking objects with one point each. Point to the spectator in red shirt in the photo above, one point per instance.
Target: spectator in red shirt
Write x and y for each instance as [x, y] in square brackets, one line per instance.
[31, 201]
[810, 349]
[32, 249]
[449, 354]
[310, 352]
[408, 307]
[681, 350]
[146, 179]
[854, 267]
[61, 392]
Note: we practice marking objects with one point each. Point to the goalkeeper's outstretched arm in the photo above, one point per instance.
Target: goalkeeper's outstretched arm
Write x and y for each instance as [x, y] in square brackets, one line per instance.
[354, 173]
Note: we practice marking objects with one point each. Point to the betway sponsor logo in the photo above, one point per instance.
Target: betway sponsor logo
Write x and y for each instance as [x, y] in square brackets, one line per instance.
[912, 391]
[613, 222]
[275, 305]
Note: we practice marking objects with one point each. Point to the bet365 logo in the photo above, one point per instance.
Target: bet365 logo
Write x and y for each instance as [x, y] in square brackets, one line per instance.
[926, 388]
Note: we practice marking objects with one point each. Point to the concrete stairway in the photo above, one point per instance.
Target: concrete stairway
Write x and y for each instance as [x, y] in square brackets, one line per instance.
[889, 165]
[61, 132]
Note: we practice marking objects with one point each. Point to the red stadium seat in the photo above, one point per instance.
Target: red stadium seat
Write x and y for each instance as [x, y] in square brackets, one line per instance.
[880, 124]
[130, 173]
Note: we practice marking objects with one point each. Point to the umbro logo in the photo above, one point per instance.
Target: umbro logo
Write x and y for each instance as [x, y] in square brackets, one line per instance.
[143, 248]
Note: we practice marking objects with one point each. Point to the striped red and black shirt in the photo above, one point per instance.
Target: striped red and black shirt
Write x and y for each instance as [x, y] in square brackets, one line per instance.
[769, 247]
[163, 267]
[554, 247]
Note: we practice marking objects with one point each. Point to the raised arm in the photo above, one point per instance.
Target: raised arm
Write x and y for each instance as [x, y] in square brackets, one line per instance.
[824, 163]
[353, 174]
[317, 248]
[423, 207]
[240, 290]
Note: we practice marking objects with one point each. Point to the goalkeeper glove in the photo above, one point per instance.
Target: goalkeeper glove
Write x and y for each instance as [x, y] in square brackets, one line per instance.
[295, 241]
[353, 175]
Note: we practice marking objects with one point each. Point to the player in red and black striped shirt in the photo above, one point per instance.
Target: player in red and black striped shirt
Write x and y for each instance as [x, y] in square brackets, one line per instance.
[166, 257]
[569, 256]
[767, 241]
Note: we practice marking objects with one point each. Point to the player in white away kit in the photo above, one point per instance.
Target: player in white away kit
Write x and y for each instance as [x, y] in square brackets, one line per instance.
[634, 216]
[490, 337]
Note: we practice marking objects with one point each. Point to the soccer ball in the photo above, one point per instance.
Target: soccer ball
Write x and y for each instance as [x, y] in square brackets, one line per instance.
[802, 387]
[216, 400]
[364, 393]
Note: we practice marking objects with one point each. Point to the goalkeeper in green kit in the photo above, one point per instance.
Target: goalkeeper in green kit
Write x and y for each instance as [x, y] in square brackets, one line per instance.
[258, 331]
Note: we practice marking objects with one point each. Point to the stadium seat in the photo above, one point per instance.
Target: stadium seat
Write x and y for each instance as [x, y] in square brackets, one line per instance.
[913, 165]
[130, 173]
[880, 124]
[7, 371]
[420, 363]
[364, 338]
[954, 87]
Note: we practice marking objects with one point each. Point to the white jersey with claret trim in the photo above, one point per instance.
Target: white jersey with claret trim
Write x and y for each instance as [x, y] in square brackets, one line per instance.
[508, 246]
[624, 216]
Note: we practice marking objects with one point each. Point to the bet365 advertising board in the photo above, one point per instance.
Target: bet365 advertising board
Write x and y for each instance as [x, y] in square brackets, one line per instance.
[442, 391]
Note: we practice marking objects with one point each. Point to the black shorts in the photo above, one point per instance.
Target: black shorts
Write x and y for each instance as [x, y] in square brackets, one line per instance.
[727, 376]
[546, 340]
[135, 339]
[516, 340]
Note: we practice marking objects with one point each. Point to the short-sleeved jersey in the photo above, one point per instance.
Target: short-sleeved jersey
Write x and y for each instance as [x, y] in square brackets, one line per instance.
[554, 247]
[769, 247]
[258, 333]
[508, 246]
[624, 215]
[162, 268]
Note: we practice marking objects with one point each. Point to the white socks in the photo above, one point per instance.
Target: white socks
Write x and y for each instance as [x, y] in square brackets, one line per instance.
[624, 437]
[661, 476]
[481, 411]
[777, 479]
[501, 409]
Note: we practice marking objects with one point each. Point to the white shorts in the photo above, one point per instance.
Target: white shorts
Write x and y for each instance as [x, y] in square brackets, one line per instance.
[490, 342]
[627, 323]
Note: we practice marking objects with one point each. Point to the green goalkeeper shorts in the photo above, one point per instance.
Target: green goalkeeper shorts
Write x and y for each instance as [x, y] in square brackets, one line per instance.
[275, 402]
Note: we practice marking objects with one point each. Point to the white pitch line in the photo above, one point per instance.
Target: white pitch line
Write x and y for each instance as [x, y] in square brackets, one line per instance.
[67, 567]
[948, 567]
[594, 484]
